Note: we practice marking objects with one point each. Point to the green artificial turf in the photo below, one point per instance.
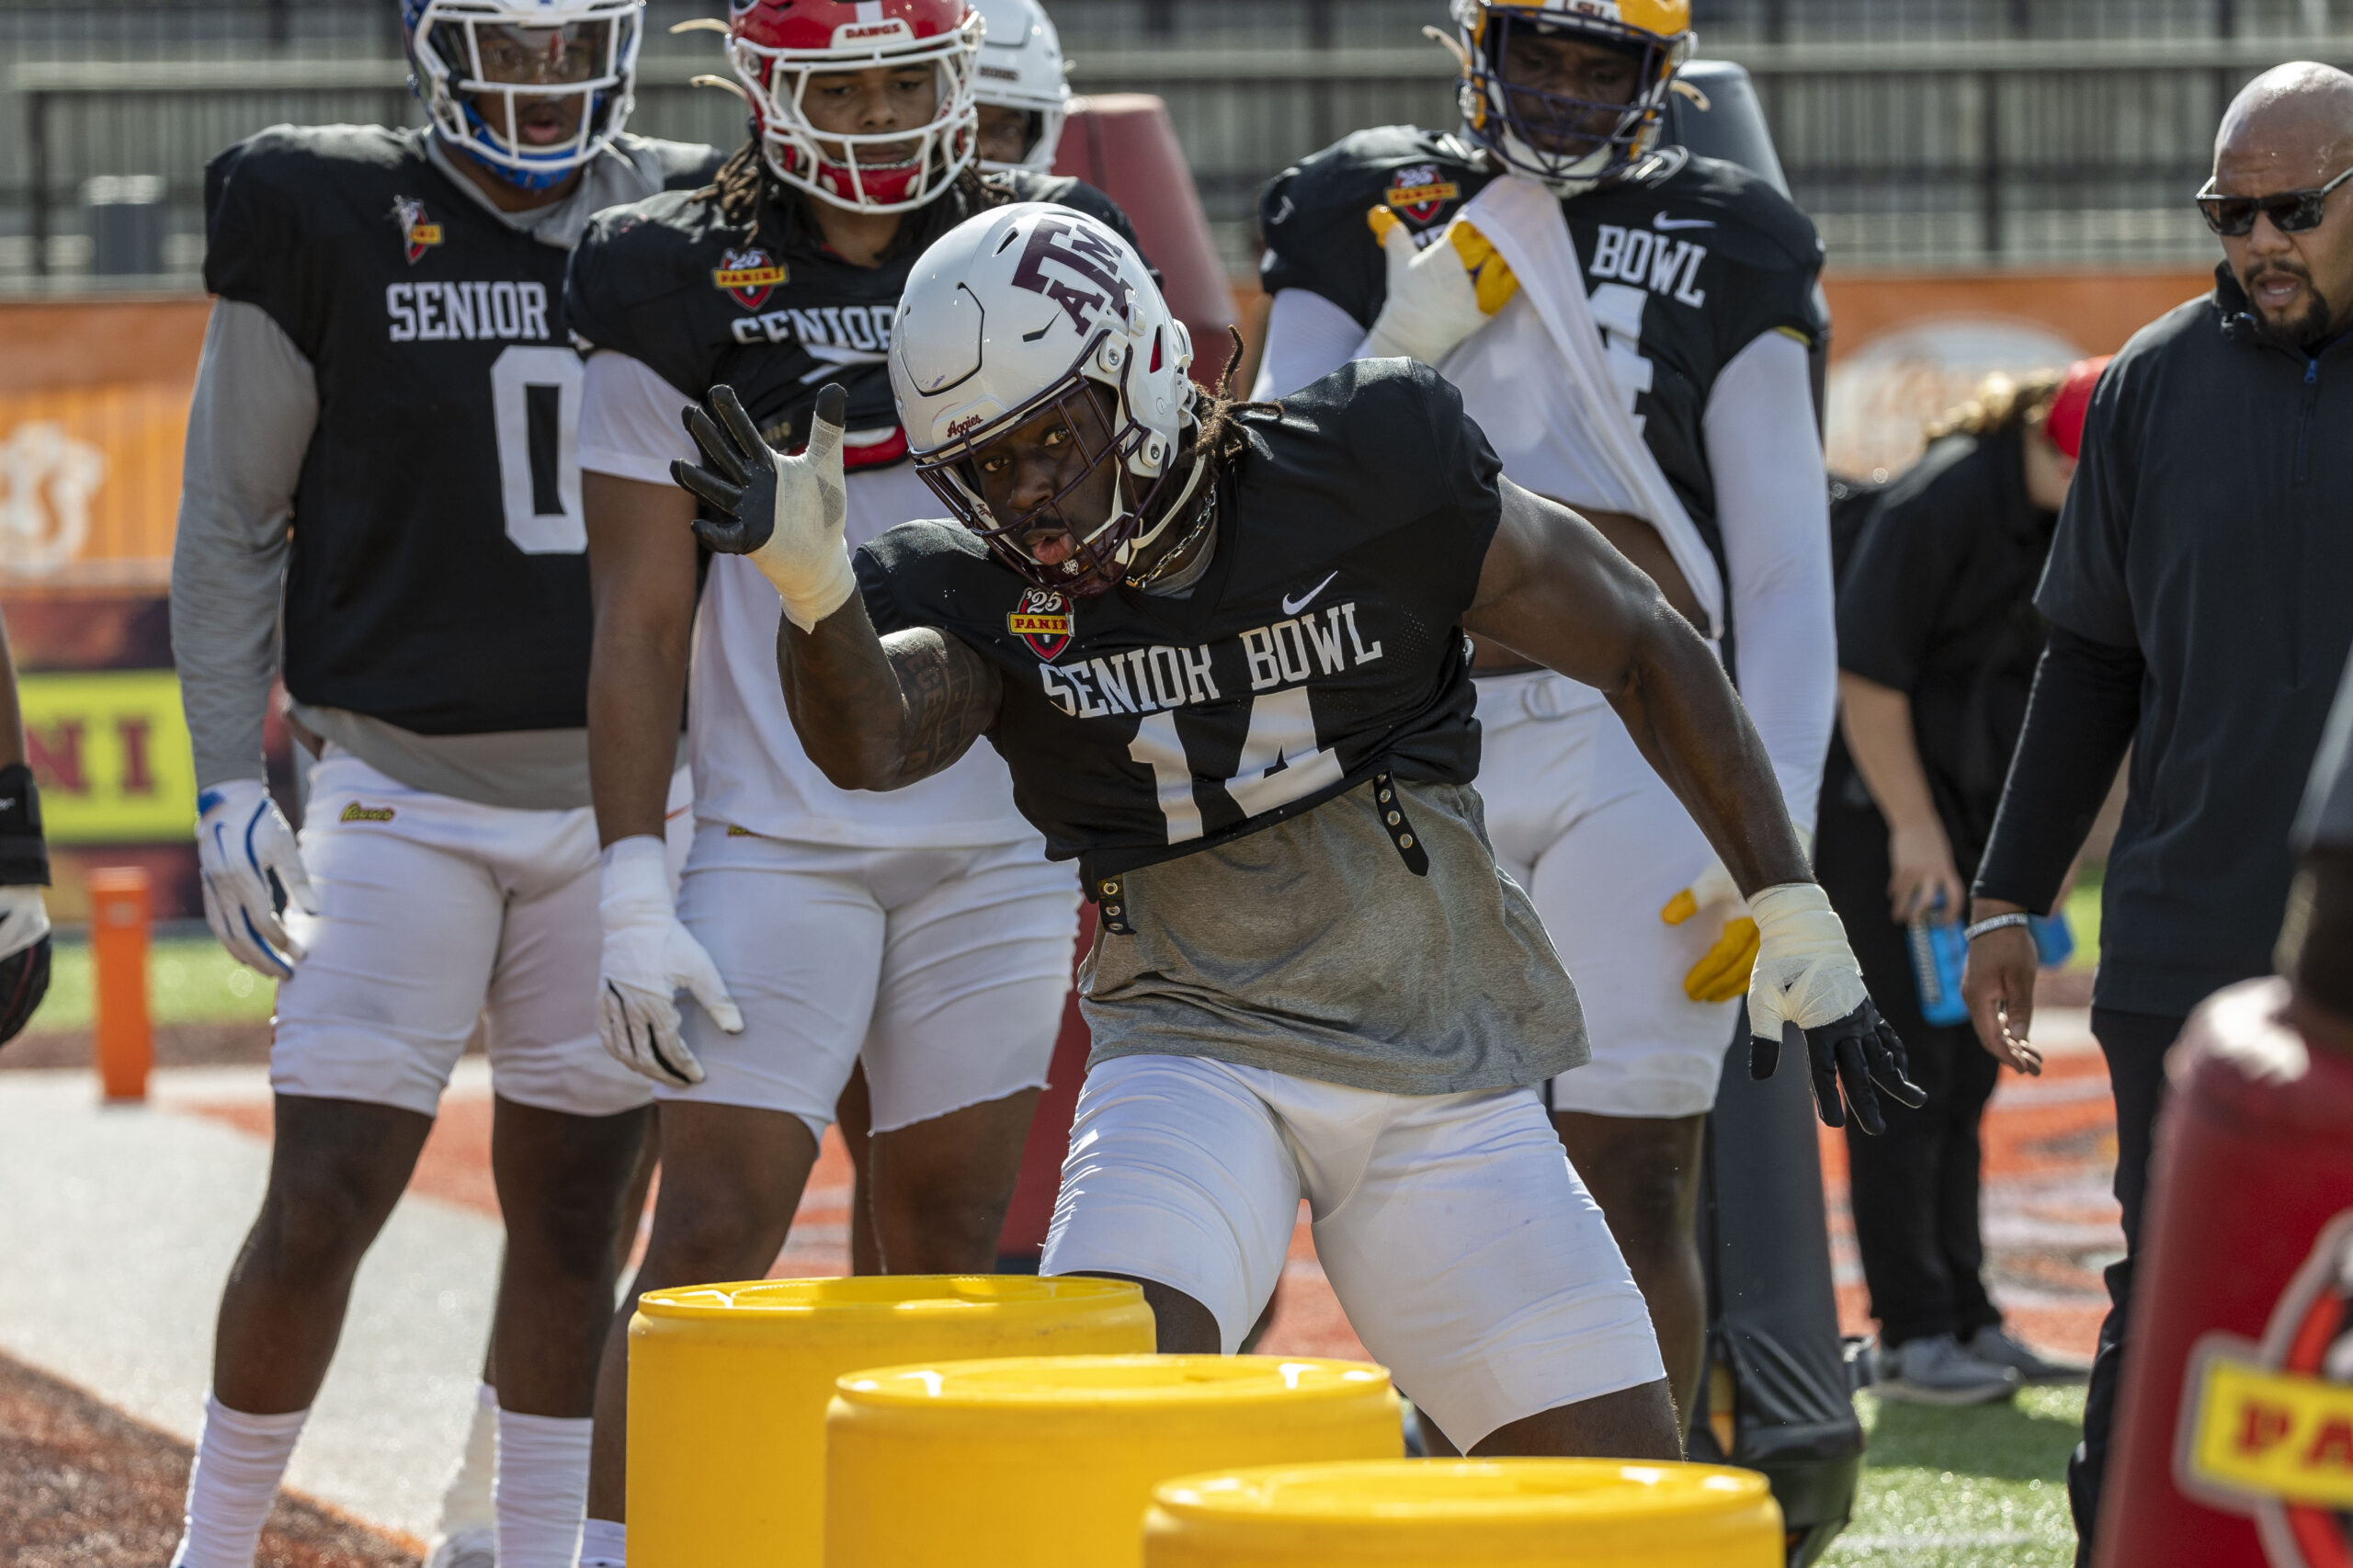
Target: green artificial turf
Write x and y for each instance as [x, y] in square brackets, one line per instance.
[189, 980]
[1980, 1487]
[2083, 916]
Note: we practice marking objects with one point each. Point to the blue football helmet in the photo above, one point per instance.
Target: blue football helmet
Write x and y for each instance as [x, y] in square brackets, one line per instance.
[532, 89]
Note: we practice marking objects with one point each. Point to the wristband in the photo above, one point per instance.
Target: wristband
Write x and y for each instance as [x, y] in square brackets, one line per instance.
[23, 853]
[1995, 923]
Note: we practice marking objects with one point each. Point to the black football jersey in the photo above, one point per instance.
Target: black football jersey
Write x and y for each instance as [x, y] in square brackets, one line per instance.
[775, 314]
[1689, 260]
[437, 579]
[1323, 645]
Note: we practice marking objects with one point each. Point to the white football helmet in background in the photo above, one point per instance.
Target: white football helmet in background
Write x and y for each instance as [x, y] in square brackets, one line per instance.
[1027, 307]
[469, 56]
[1023, 68]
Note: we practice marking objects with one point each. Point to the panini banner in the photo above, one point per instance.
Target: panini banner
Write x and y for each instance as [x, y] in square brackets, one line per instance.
[110, 753]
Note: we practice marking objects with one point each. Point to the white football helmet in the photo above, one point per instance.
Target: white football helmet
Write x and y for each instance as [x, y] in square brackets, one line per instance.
[1031, 306]
[472, 62]
[1022, 67]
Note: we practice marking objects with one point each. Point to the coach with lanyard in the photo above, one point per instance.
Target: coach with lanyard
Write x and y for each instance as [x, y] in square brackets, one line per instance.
[2197, 595]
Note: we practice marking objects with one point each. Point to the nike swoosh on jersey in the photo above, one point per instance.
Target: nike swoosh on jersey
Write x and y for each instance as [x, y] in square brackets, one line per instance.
[1283, 213]
[1293, 607]
[1666, 224]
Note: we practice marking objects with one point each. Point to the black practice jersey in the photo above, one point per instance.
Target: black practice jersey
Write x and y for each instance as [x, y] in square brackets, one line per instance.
[776, 314]
[1687, 261]
[1323, 645]
[437, 579]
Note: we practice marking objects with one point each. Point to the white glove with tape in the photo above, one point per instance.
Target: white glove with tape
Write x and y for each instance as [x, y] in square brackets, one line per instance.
[1806, 976]
[252, 867]
[1440, 293]
[649, 958]
[786, 514]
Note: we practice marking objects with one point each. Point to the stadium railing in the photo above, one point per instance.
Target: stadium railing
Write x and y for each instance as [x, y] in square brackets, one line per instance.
[1986, 152]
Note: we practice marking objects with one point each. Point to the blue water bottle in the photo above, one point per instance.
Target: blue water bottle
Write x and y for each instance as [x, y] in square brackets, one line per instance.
[1938, 950]
[2054, 943]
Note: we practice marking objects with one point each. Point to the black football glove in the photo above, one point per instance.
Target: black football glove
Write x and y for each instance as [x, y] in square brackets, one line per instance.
[1859, 1054]
[784, 514]
[24, 916]
[1806, 978]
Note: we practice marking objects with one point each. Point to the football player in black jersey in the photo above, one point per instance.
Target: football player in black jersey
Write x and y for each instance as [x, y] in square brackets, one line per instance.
[1223, 651]
[924, 935]
[380, 458]
[1631, 326]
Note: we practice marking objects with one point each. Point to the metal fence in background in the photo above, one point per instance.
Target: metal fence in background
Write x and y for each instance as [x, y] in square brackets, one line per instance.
[2007, 134]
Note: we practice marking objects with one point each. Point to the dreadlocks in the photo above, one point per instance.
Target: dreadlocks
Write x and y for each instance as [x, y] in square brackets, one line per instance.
[1220, 439]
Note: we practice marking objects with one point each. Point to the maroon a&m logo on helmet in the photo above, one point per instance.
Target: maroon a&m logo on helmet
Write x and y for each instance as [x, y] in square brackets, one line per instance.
[1043, 619]
[749, 275]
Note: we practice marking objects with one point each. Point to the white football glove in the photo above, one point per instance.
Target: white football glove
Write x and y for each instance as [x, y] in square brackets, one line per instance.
[243, 846]
[1440, 293]
[1806, 976]
[785, 513]
[649, 958]
[1723, 974]
[24, 918]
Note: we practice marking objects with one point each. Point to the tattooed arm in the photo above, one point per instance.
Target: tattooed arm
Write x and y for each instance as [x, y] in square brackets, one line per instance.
[882, 712]
[872, 713]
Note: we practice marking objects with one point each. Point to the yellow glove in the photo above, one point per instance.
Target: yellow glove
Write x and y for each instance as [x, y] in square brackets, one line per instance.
[1723, 973]
[1440, 293]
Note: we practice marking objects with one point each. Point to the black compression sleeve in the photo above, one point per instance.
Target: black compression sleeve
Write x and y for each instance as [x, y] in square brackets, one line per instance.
[2079, 721]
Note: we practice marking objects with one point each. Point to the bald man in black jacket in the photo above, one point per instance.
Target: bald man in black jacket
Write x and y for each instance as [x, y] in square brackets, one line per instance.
[2196, 595]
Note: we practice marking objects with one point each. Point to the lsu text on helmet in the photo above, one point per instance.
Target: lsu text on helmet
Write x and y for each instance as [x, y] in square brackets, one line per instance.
[531, 88]
[776, 47]
[1571, 141]
[1023, 68]
[1030, 308]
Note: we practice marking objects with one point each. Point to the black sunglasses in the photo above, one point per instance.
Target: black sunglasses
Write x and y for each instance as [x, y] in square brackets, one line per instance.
[2290, 212]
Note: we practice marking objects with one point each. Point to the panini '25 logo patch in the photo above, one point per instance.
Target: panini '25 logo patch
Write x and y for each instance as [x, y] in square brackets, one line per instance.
[1418, 192]
[1042, 620]
[418, 232]
[749, 275]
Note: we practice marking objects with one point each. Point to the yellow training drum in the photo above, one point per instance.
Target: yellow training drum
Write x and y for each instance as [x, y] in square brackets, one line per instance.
[1442, 1514]
[1049, 1463]
[728, 1386]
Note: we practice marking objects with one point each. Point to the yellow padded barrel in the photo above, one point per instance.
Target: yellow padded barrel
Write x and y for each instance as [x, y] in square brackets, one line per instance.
[728, 1386]
[1442, 1514]
[1049, 1463]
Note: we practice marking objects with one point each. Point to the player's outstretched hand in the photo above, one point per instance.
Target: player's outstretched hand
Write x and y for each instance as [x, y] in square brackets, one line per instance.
[649, 958]
[1438, 294]
[785, 513]
[1806, 976]
[246, 853]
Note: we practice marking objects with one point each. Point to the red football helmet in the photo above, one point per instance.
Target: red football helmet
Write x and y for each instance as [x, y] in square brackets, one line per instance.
[777, 46]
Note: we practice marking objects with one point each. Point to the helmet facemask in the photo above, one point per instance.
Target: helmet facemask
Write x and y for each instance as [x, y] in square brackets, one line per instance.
[486, 70]
[1569, 141]
[1092, 401]
[827, 165]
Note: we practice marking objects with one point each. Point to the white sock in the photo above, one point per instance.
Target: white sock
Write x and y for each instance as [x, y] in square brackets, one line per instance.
[542, 1489]
[239, 1460]
[467, 1504]
[604, 1543]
